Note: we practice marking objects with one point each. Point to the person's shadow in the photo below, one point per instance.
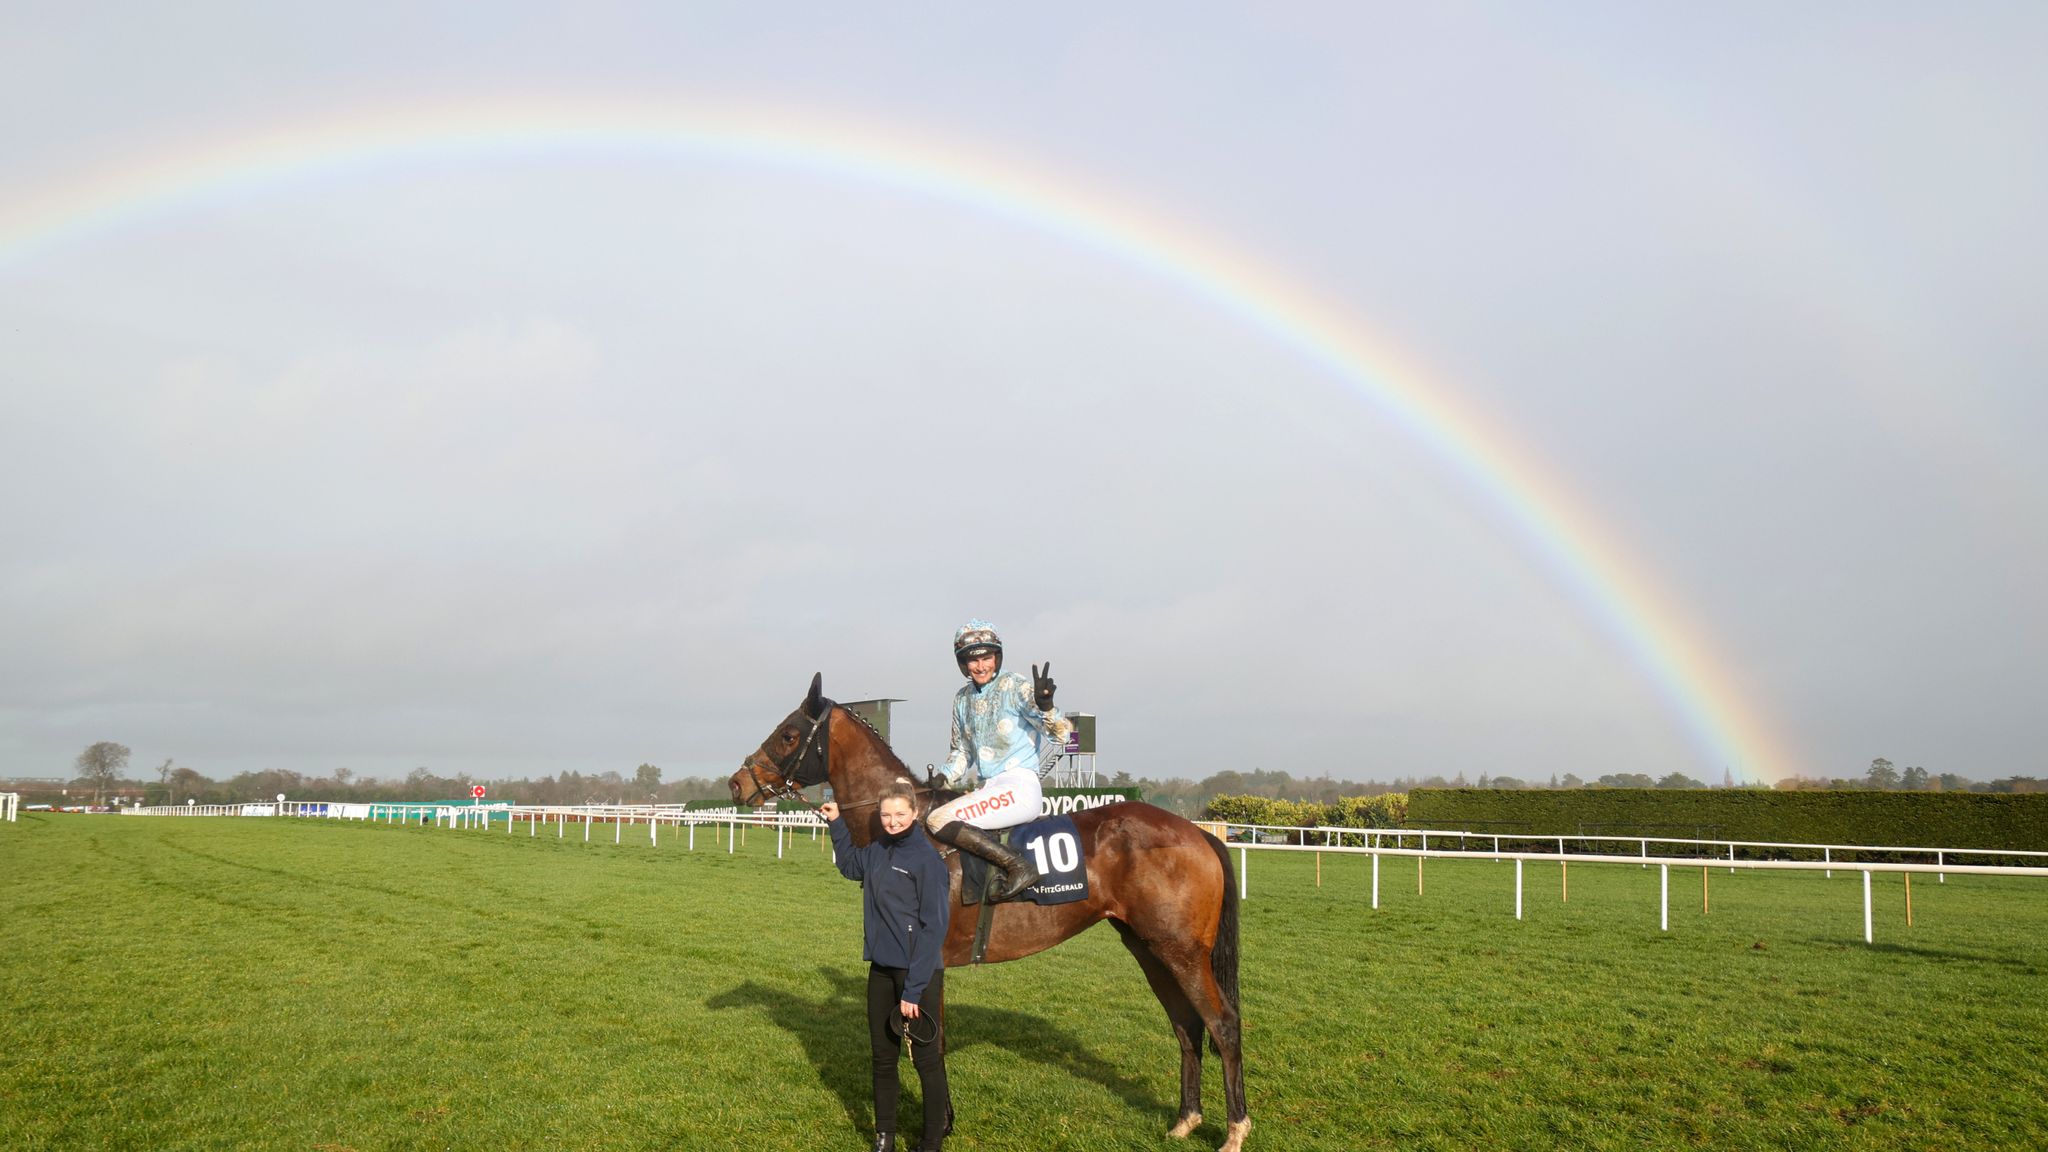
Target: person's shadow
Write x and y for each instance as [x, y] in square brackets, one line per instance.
[834, 1033]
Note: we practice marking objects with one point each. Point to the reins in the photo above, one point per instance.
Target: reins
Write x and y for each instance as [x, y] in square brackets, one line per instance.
[790, 787]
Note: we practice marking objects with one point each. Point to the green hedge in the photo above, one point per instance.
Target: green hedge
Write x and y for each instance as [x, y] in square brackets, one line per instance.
[1905, 819]
[1383, 811]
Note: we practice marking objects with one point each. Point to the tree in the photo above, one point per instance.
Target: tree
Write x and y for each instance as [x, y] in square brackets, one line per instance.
[1914, 779]
[1882, 774]
[647, 778]
[1571, 780]
[101, 764]
[1679, 780]
[186, 782]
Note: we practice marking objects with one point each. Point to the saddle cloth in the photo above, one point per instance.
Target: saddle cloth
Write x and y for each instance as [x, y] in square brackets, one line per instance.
[1053, 846]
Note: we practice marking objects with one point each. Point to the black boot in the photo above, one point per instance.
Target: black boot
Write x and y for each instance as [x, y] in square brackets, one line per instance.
[885, 1142]
[936, 1141]
[1018, 874]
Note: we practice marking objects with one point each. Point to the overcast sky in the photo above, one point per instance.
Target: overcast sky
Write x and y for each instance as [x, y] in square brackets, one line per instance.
[527, 457]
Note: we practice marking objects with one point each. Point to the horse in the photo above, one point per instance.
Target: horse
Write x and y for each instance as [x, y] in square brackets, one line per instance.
[1165, 884]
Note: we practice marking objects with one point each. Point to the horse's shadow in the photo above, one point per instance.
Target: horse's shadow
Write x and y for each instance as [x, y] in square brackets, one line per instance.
[834, 1033]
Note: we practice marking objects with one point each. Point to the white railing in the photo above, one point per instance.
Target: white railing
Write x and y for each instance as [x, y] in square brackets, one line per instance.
[10, 804]
[1375, 847]
[729, 827]
[1331, 837]
[729, 823]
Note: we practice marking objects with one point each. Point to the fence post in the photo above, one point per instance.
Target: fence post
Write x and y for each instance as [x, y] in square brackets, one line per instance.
[1663, 897]
[1940, 860]
[1518, 887]
[1244, 857]
[1375, 880]
[1866, 907]
[1827, 855]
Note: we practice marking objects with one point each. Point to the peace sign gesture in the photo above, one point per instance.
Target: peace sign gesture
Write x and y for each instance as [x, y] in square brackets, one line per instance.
[1042, 686]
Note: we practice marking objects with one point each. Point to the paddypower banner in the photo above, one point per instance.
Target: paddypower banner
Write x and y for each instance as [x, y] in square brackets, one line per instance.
[1065, 801]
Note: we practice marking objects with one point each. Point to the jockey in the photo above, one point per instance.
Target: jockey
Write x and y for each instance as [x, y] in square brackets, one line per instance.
[1005, 735]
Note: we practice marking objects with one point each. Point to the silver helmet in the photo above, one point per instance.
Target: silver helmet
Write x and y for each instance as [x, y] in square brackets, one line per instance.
[973, 639]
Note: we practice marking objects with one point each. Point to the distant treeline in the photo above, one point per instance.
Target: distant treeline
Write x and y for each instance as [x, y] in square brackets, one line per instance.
[644, 785]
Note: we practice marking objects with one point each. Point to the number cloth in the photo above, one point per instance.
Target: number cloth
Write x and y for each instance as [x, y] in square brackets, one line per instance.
[1053, 847]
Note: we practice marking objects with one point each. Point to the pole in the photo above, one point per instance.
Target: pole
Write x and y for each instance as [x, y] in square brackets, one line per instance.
[1909, 899]
[1319, 869]
[1518, 887]
[1663, 897]
[1564, 881]
[1418, 875]
[1867, 939]
[1703, 889]
[1375, 880]
[1243, 858]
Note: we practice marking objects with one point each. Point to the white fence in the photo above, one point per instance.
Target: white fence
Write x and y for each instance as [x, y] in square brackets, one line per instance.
[10, 805]
[728, 828]
[1374, 843]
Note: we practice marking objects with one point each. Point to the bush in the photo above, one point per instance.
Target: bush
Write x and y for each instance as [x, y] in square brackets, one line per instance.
[2015, 822]
[1384, 811]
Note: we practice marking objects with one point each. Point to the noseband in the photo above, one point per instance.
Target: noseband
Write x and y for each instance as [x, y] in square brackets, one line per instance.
[791, 780]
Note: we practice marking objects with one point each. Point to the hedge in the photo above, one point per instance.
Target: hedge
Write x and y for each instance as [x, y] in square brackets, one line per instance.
[1383, 811]
[2017, 822]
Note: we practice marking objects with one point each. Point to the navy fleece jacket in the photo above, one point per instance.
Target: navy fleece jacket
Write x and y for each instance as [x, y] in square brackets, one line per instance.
[905, 900]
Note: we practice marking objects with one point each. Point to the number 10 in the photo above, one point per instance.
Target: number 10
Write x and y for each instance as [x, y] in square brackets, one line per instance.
[1066, 854]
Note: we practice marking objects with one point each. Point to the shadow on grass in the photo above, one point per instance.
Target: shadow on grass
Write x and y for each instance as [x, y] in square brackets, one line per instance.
[834, 1033]
[1946, 954]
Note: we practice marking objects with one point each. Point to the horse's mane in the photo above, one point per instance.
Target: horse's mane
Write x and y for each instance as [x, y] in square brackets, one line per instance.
[891, 760]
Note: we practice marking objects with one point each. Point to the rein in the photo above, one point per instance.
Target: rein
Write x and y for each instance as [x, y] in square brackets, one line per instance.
[790, 785]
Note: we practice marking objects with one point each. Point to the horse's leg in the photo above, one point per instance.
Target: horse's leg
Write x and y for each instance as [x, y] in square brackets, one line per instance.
[1187, 1028]
[1207, 976]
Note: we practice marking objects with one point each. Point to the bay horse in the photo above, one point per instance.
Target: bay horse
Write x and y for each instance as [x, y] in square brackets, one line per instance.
[1165, 884]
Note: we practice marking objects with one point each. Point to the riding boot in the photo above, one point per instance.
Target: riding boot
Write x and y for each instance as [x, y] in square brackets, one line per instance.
[936, 1141]
[885, 1142]
[1018, 874]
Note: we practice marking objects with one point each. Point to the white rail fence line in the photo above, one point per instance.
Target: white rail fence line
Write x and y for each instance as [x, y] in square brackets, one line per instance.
[730, 827]
[10, 806]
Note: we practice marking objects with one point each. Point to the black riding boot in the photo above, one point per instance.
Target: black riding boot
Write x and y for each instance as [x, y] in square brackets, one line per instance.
[1018, 874]
[885, 1142]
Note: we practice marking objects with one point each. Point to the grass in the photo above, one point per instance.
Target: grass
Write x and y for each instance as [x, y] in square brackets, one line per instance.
[249, 983]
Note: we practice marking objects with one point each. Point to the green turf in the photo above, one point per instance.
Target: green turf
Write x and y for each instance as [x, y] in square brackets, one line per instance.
[251, 983]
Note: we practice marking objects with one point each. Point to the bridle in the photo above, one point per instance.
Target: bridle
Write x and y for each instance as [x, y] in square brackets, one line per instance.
[791, 773]
[791, 782]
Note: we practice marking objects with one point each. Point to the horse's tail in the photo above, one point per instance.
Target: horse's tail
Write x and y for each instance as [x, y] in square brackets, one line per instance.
[1223, 957]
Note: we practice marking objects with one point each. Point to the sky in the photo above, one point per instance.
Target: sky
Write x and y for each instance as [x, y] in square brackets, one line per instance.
[1367, 390]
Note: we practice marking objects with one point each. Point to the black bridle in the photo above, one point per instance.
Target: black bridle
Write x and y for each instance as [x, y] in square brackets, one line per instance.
[793, 773]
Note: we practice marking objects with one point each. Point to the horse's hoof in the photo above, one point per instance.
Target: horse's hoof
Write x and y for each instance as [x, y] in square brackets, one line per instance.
[1234, 1142]
[1187, 1125]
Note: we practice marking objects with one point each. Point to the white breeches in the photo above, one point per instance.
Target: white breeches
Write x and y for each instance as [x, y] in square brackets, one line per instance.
[1005, 799]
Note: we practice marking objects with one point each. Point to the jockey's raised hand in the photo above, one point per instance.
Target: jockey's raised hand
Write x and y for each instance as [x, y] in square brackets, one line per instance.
[829, 810]
[1042, 687]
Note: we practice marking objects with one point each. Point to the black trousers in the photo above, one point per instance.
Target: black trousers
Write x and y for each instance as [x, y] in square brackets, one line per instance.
[927, 1048]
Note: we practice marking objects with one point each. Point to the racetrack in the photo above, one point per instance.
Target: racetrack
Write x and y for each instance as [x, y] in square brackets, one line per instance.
[273, 983]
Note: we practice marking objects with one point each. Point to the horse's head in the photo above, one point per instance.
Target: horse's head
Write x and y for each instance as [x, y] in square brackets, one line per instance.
[794, 755]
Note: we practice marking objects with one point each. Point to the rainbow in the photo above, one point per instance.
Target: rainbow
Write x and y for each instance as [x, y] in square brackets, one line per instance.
[1559, 528]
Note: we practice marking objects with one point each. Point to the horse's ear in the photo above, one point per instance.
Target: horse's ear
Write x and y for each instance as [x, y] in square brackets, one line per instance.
[812, 705]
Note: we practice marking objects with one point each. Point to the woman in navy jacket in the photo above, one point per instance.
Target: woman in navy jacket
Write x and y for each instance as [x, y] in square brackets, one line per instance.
[905, 900]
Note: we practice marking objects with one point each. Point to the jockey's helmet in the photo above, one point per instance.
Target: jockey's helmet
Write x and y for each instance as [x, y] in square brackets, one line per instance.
[973, 639]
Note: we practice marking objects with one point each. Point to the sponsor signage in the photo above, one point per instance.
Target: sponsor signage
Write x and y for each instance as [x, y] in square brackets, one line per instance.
[1063, 801]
